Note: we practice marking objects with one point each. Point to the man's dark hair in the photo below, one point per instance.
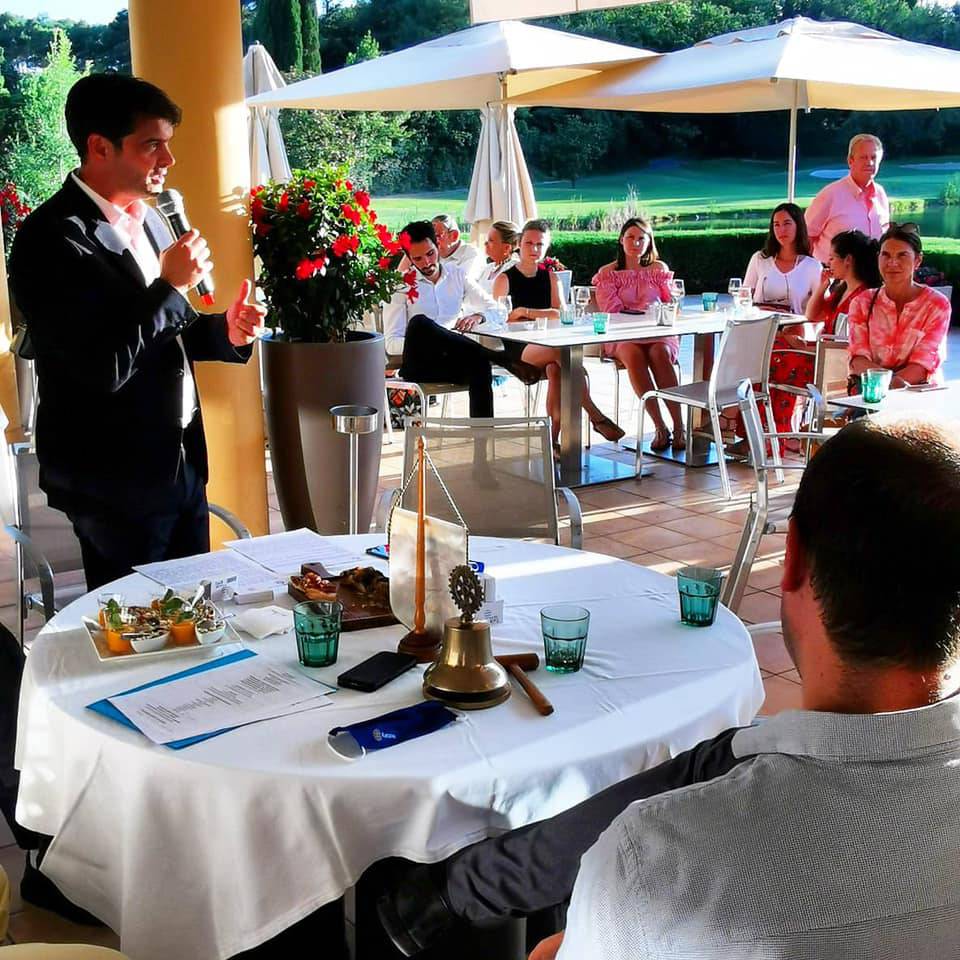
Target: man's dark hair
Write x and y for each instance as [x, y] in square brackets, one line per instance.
[112, 104]
[878, 517]
[420, 230]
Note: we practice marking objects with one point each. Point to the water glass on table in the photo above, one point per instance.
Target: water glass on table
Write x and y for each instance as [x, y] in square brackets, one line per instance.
[317, 625]
[678, 290]
[875, 383]
[600, 322]
[699, 589]
[709, 302]
[581, 297]
[733, 287]
[565, 630]
[568, 315]
[744, 298]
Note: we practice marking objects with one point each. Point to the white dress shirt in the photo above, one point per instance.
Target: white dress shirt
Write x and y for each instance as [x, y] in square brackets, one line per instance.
[128, 226]
[454, 295]
[468, 258]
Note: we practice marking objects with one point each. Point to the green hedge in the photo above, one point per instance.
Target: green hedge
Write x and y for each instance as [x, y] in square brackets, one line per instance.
[706, 260]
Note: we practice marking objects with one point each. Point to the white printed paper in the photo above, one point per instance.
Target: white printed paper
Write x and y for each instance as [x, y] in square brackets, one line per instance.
[246, 691]
[284, 553]
[187, 572]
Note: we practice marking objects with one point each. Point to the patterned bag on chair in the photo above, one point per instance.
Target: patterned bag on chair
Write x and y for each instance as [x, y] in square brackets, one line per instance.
[404, 402]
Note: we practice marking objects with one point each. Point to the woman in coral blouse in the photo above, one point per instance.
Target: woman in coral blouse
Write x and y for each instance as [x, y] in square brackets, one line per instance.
[636, 279]
[901, 326]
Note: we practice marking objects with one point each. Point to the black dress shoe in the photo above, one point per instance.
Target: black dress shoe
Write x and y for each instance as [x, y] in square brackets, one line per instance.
[38, 889]
[412, 910]
[525, 372]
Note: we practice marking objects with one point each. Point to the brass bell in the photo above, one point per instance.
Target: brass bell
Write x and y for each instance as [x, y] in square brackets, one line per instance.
[466, 675]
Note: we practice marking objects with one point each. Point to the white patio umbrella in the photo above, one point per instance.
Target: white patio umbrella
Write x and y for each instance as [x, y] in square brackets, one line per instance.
[478, 68]
[268, 155]
[793, 65]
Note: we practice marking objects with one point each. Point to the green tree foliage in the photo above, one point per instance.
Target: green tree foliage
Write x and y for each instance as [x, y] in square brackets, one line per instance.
[277, 26]
[370, 143]
[40, 154]
[310, 32]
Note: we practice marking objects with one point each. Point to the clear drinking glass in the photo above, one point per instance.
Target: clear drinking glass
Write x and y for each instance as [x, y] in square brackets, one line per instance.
[317, 625]
[699, 589]
[565, 630]
[678, 290]
[504, 307]
[744, 298]
[581, 297]
[733, 287]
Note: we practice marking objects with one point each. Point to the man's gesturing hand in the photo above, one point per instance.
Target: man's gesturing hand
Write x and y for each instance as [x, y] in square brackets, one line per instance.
[244, 320]
[186, 262]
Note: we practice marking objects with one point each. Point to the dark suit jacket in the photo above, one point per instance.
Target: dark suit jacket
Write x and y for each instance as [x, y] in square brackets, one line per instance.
[109, 369]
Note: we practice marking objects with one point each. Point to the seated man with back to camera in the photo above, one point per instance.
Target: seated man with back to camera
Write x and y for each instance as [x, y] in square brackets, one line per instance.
[422, 321]
[826, 833]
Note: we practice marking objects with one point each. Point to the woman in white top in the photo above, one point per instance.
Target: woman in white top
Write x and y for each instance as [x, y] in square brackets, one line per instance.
[783, 274]
[501, 244]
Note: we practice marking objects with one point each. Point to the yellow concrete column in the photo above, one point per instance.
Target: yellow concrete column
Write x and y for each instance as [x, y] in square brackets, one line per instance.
[9, 399]
[193, 51]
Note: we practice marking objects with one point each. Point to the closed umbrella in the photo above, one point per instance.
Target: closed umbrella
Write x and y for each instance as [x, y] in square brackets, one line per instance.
[796, 64]
[500, 188]
[268, 155]
[477, 68]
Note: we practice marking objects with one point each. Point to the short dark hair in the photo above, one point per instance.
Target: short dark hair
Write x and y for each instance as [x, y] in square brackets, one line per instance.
[420, 230]
[541, 226]
[112, 104]
[878, 476]
[908, 233]
[771, 246]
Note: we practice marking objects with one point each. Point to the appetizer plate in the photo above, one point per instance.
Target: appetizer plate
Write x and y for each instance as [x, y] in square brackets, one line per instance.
[99, 640]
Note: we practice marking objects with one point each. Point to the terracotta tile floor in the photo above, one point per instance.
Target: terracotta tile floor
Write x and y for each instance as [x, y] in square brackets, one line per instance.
[669, 519]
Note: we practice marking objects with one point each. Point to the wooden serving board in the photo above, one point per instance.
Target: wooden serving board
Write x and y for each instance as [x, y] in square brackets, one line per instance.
[356, 615]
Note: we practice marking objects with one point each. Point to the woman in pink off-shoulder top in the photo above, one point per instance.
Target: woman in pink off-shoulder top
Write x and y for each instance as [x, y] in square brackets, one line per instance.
[637, 279]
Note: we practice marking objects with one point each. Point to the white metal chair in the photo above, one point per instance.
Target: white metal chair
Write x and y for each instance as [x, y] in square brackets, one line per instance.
[768, 513]
[500, 473]
[744, 352]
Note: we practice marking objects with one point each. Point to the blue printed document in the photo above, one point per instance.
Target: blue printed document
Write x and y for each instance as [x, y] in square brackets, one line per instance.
[214, 697]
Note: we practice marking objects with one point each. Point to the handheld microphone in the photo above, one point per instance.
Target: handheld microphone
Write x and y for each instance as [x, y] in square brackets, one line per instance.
[170, 206]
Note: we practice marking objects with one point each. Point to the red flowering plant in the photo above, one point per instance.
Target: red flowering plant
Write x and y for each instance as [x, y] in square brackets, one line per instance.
[325, 260]
[552, 264]
[13, 211]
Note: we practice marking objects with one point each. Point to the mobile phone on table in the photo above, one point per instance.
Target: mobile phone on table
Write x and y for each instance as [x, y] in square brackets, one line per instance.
[382, 551]
[376, 671]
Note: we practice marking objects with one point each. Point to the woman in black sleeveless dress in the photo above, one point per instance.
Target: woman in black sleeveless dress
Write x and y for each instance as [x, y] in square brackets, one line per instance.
[536, 294]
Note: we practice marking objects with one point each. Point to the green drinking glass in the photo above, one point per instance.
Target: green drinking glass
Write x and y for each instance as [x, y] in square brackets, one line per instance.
[317, 625]
[875, 383]
[564, 636]
[699, 589]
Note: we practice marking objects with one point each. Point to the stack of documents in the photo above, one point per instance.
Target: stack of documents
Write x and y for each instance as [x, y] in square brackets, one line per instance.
[214, 697]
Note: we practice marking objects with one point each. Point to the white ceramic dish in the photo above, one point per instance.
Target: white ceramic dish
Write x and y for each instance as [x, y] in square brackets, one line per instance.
[150, 642]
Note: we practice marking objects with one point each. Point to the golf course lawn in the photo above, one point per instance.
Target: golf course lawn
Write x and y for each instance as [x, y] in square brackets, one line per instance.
[711, 189]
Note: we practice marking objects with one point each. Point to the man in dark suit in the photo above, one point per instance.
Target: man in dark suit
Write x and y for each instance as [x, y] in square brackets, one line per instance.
[102, 285]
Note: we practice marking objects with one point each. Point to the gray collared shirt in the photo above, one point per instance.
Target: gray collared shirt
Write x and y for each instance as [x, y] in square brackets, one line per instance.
[838, 836]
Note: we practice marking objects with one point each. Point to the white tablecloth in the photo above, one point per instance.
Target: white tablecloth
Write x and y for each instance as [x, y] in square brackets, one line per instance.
[204, 852]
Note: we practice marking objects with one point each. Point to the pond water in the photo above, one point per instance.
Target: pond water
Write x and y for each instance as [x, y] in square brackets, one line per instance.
[934, 221]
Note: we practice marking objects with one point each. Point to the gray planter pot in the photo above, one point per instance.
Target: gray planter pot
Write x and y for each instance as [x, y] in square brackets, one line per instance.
[310, 459]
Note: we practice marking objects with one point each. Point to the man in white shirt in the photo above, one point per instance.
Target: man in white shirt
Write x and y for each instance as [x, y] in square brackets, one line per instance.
[825, 833]
[454, 250]
[425, 324]
[855, 202]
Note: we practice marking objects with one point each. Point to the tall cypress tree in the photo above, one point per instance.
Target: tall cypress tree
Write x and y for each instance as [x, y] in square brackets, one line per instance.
[277, 27]
[310, 31]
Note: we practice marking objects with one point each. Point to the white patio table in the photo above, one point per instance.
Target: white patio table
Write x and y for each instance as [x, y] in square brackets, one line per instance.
[578, 469]
[941, 401]
[210, 850]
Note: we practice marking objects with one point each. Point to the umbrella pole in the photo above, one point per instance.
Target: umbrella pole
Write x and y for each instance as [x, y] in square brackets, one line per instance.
[792, 148]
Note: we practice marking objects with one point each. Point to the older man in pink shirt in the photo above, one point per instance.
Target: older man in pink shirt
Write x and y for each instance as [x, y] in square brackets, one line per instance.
[857, 202]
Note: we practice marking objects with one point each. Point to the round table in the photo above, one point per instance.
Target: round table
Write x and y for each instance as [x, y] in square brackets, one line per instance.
[210, 850]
